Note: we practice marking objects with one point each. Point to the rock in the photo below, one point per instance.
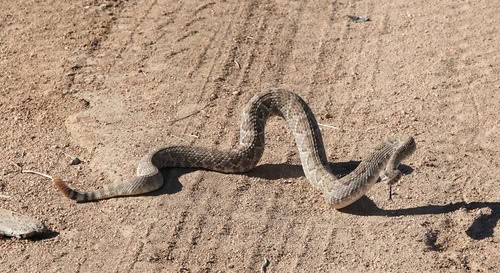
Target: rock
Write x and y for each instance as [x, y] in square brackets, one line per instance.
[13, 224]
[75, 161]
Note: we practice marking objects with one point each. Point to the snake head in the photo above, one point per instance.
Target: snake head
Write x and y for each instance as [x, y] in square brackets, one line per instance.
[404, 145]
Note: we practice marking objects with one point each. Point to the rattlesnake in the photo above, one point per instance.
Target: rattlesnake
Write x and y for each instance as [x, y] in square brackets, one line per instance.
[381, 163]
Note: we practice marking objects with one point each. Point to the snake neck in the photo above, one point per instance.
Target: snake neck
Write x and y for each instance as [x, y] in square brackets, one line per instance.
[301, 121]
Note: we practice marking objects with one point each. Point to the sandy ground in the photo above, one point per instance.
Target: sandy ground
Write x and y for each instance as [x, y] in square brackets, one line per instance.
[107, 81]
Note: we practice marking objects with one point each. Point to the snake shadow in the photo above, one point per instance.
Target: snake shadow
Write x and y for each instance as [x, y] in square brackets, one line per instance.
[172, 184]
[481, 228]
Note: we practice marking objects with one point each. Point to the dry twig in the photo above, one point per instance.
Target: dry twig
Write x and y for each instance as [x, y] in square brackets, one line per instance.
[38, 173]
[329, 126]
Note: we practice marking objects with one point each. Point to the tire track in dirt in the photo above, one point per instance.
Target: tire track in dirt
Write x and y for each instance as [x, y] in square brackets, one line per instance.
[137, 247]
[201, 210]
[196, 211]
[329, 53]
[331, 244]
[332, 36]
[253, 255]
[133, 250]
[315, 242]
[288, 34]
[202, 55]
[312, 33]
[467, 75]
[350, 88]
[366, 72]
[228, 76]
[306, 238]
[320, 60]
[277, 56]
[285, 248]
[285, 38]
[129, 39]
[351, 66]
[84, 70]
[197, 227]
[383, 26]
[241, 80]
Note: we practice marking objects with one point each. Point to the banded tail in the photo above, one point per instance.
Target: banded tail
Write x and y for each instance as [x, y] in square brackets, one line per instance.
[76, 195]
[133, 186]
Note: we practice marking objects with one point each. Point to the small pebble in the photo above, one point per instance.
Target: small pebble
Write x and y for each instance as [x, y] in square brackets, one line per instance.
[75, 161]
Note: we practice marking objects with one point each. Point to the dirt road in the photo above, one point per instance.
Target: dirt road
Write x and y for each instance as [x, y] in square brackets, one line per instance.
[107, 81]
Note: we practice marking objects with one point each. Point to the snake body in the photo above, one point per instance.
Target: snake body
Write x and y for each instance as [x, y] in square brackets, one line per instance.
[381, 163]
